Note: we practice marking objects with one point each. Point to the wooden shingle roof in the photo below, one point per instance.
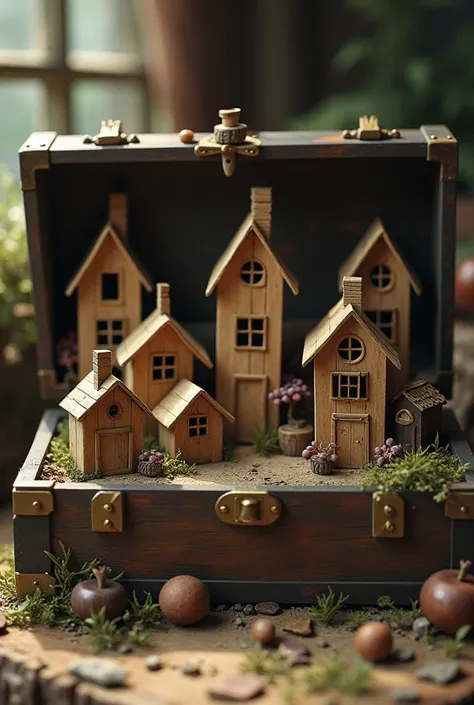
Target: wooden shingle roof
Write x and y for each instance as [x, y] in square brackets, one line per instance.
[248, 226]
[109, 231]
[84, 396]
[362, 249]
[422, 394]
[323, 331]
[180, 398]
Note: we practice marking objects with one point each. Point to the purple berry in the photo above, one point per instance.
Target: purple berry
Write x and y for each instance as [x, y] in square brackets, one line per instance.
[380, 461]
[277, 401]
[285, 399]
[306, 454]
[334, 458]
[296, 396]
[271, 395]
[378, 450]
[304, 387]
[389, 442]
[141, 457]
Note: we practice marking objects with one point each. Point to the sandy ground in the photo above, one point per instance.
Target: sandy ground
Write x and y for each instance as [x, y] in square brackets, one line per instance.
[248, 468]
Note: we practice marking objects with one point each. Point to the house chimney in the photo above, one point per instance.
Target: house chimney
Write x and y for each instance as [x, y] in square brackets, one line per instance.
[261, 208]
[101, 367]
[163, 298]
[352, 291]
[118, 214]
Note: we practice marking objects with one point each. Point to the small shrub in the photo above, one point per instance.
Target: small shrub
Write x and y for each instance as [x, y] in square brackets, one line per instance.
[148, 613]
[177, 466]
[138, 634]
[453, 647]
[327, 606]
[335, 674]
[265, 664]
[103, 633]
[265, 441]
[356, 619]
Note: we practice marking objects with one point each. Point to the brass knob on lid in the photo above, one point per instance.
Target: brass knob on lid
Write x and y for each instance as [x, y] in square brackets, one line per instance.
[230, 116]
[230, 130]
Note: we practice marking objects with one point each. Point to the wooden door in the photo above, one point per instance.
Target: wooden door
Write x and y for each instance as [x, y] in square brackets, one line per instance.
[350, 433]
[114, 451]
[250, 405]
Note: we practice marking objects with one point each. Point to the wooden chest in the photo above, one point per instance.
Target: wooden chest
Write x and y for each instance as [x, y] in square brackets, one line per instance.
[182, 213]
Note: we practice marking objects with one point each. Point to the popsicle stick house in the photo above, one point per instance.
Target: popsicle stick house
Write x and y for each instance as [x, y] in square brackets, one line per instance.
[249, 277]
[108, 285]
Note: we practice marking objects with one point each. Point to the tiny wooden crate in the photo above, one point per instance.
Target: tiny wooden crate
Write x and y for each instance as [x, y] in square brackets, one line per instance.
[182, 213]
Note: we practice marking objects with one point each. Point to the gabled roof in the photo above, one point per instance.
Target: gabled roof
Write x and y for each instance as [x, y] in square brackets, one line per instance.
[109, 231]
[84, 396]
[248, 226]
[180, 398]
[362, 249]
[317, 338]
[422, 394]
[148, 328]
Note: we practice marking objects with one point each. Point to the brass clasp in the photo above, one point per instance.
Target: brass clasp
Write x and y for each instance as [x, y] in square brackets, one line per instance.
[253, 508]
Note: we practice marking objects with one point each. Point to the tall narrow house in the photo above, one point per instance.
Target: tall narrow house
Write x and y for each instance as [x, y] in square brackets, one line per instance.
[249, 277]
[108, 285]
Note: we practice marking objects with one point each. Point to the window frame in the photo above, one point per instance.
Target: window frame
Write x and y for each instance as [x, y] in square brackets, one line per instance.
[262, 281]
[249, 317]
[394, 324]
[109, 332]
[164, 366]
[198, 426]
[349, 336]
[359, 376]
[112, 302]
[378, 288]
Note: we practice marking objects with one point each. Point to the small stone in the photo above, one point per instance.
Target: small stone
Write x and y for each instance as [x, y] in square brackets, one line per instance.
[269, 608]
[421, 626]
[104, 672]
[248, 609]
[221, 608]
[190, 669]
[402, 695]
[404, 654]
[376, 618]
[295, 652]
[239, 622]
[238, 688]
[186, 136]
[125, 648]
[298, 624]
[153, 663]
[238, 608]
[441, 672]
[321, 643]
[394, 625]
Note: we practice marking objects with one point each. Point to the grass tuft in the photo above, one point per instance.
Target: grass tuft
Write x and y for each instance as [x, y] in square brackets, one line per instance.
[265, 664]
[356, 619]
[453, 647]
[265, 441]
[327, 606]
[335, 674]
[103, 634]
[147, 613]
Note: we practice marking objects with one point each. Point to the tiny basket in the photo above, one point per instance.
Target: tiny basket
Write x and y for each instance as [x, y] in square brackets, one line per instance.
[321, 467]
[150, 468]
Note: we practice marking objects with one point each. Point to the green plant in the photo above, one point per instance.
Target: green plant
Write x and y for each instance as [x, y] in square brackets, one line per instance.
[385, 602]
[327, 606]
[138, 634]
[335, 674]
[265, 441]
[147, 613]
[103, 634]
[430, 636]
[416, 610]
[177, 466]
[356, 619]
[264, 664]
[453, 647]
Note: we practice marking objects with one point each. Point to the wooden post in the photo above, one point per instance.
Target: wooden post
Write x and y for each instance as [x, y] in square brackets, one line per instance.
[118, 213]
[261, 207]
[101, 366]
[352, 292]
[163, 298]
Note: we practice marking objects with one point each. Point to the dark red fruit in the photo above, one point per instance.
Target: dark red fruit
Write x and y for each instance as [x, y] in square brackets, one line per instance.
[464, 285]
[90, 596]
[447, 598]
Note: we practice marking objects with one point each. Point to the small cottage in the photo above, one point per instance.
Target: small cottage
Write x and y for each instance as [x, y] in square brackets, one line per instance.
[387, 282]
[415, 415]
[349, 354]
[105, 421]
[191, 421]
[108, 285]
[249, 277]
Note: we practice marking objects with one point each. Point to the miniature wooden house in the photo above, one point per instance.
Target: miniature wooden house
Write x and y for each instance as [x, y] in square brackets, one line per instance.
[387, 281]
[415, 415]
[159, 352]
[249, 278]
[350, 369]
[191, 421]
[105, 421]
[108, 284]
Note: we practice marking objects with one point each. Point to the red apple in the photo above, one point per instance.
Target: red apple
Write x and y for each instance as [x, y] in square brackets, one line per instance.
[447, 598]
[464, 285]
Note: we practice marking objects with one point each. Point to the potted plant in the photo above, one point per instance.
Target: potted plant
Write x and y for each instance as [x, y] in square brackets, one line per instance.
[296, 433]
[150, 463]
[322, 457]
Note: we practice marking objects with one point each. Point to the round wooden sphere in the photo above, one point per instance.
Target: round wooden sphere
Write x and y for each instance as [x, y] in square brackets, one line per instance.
[184, 600]
[263, 631]
[464, 285]
[186, 136]
[374, 641]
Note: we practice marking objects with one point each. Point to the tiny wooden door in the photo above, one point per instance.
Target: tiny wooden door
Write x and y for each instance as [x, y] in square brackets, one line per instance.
[350, 433]
[113, 449]
[250, 405]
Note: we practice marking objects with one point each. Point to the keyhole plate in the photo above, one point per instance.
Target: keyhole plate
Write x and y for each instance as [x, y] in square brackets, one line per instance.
[233, 508]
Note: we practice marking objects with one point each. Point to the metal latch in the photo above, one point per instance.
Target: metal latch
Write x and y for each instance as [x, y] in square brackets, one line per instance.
[29, 583]
[110, 133]
[253, 508]
[32, 502]
[230, 138]
[459, 505]
[388, 515]
[369, 129]
[107, 511]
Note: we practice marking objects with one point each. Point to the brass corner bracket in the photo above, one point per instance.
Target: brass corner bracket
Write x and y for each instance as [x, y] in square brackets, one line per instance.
[28, 583]
[230, 138]
[442, 148]
[369, 129]
[388, 515]
[111, 133]
[107, 512]
[459, 505]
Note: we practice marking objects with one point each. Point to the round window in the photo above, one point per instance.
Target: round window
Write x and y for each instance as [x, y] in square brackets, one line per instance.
[381, 277]
[252, 272]
[351, 349]
[114, 411]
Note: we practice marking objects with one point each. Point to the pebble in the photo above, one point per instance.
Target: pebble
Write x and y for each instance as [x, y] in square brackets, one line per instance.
[421, 626]
[441, 672]
[153, 663]
[394, 625]
[269, 608]
[221, 608]
[404, 654]
[295, 652]
[321, 643]
[190, 669]
[125, 649]
[298, 624]
[248, 609]
[104, 672]
[238, 608]
[239, 622]
[376, 618]
[402, 695]
[238, 688]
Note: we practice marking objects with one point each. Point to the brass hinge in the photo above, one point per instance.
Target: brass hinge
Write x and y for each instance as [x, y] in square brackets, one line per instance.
[111, 133]
[459, 505]
[253, 508]
[230, 138]
[369, 129]
[32, 502]
[29, 583]
[34, 155]
[107, 511]
[443, 148]
[388, 515]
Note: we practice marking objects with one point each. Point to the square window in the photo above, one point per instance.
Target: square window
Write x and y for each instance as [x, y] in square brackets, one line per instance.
[102, 340]
[101, 325]
[257, 340]
[202, 430]
[386, 317]
[117, 325]
[203, 420]
[169, 360]
[257, 323]
[157, 360]
[197, 426]
[117, 339]
[193, 432]
[242, 340]
[193, 421]
[169, 373]
[242, 324]
[157, 374]
[110, 287]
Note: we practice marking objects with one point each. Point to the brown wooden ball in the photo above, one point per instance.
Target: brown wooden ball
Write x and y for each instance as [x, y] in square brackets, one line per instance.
[263, 631]
[184, 600]
[186, 136]
[374, 641]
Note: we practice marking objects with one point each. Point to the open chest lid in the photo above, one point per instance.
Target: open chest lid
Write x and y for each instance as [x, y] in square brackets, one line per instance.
[327, 188]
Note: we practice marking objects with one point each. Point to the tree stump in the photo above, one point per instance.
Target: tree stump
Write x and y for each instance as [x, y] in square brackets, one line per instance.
[293, 440]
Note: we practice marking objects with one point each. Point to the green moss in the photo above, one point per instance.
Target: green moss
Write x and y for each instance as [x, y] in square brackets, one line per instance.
[336, 674]
[265, 664]
[327, 606]
[265, 441]
[432, 470]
